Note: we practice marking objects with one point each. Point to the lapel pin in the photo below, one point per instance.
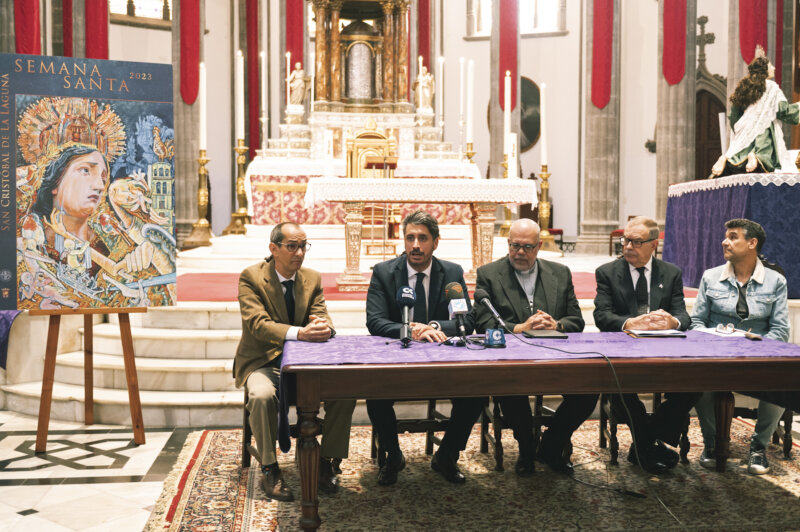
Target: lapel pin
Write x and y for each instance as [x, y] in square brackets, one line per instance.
[661, 286]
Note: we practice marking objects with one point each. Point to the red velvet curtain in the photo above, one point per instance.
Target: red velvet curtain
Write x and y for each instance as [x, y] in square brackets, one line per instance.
[424, 33]
[26, 27]
[752, 27]
[294, 32]
[602, 44]
[66, 24]
[778, 40]
[97, 29]
[509, 28]
[673, 58]
[253, 101]
[190, 49]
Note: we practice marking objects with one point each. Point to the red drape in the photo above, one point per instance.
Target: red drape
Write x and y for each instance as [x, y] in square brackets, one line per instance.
[424, 32]
[97, 29]
[253, 101]
[66, 24]
[27, 34]
[602, 44]
[190, 49]
[509, 28]
[294, 32]
[673, 58]
[778, 40]
[752, 27]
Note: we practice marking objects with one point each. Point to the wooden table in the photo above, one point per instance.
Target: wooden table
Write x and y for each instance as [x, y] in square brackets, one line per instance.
[316, 383]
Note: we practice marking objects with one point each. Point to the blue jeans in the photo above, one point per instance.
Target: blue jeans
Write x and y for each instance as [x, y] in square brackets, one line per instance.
[768, 417]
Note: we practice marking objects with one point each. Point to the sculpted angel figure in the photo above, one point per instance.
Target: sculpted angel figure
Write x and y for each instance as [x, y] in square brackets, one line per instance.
[423, 90]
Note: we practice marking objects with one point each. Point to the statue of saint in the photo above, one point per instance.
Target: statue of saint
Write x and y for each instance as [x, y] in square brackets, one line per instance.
[423, 90]
[299, 85]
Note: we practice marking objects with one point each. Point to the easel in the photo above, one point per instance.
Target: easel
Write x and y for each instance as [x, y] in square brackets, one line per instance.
[88, 377]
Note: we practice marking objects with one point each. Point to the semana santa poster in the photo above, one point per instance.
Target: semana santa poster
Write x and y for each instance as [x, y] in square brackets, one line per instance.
[87, 173]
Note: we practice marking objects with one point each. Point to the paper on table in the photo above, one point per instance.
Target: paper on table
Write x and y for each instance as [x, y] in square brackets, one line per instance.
[656, 334]
[715, 332]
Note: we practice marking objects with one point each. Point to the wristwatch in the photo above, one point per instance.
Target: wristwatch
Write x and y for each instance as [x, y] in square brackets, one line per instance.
[435, 324]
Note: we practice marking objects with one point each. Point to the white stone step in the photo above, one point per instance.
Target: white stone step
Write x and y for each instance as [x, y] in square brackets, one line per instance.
[155, 374]
[159, 409]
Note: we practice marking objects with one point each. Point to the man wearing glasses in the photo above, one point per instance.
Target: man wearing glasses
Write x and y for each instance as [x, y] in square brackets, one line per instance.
[281, 301]
[640, 292]
[742, 294]
[531, 293]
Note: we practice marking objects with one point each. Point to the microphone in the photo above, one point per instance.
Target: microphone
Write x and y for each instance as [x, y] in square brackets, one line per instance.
[457, 306]
[482, 297]
[405, 300]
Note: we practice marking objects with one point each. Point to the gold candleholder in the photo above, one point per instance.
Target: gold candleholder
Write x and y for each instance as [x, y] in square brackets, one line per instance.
[470, 152]
[548, 242]
[239, 217]
[505, 228]
[201, 230]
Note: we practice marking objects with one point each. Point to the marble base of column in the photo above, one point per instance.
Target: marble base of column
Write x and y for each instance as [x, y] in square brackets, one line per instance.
[595, 241]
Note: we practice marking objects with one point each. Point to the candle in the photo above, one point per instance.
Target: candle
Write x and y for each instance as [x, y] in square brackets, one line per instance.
[238, 90]
[419, 70]
[313, 75]
[470, 99]
[263, 83]
[439, 86]
[461, 90]
[506, 112]
[288, 72]
[513, 156]
[201, 103]
[543, 124]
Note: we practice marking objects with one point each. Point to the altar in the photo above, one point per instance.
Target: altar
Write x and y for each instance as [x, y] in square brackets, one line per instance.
[697, 212]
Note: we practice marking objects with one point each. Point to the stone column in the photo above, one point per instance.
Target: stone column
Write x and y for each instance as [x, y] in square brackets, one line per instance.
[79, 28]
[600, 191]
[336, 53]
[186, 135]
[388, 51]
[321, 55]
[7, 36]
[675, 122]
[401, 60]
[737, 68]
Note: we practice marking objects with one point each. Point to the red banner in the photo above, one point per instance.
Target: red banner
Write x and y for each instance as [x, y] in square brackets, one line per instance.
[294, 32]
[778, 40]
[752, 27]
[27, 34]
[190, 49]
[673, 50]
[602, 47]
[253, 102]
[509, 29]
[66, 24]
[424, 33]
[97, 29]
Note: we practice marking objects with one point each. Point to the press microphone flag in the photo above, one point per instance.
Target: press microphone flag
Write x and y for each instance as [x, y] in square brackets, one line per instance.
[457, 305]
[406, 297]
[481, 297]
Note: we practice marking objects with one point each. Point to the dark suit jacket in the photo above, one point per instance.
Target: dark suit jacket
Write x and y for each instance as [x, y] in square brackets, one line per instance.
[384, 317]
[616, 298]
[265, 319]
[553, 294]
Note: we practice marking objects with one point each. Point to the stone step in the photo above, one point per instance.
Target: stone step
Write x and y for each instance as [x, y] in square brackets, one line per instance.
[154, 374]
[159, 409]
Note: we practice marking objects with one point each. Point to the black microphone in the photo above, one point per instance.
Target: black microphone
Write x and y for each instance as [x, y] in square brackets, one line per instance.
[406, 297]
[457, 306]
[482, 297]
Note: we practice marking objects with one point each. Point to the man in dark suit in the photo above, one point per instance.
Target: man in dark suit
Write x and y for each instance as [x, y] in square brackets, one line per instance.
[639, 291]
[418, 268]
[531, 293]
[280, 301]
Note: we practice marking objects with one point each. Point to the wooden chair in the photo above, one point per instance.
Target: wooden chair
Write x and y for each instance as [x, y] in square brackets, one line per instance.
[433, 422]
[491, 414]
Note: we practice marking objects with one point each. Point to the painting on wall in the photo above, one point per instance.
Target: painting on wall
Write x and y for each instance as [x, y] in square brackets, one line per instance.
[87, 173]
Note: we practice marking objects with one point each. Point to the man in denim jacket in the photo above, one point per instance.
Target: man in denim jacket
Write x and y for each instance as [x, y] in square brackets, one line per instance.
[744, 293]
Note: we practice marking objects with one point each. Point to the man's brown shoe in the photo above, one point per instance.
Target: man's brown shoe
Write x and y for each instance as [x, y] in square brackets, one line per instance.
[328, 481]
[274, 486]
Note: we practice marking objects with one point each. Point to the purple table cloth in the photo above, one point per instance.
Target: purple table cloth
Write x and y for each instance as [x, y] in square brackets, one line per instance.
[697, 212]
[378, 350]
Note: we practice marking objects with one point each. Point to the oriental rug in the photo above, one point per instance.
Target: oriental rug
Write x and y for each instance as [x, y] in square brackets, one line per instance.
[208, 490]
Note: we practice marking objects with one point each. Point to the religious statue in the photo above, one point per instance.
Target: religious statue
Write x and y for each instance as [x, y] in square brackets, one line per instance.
[423, 90]
[299, 85]
[757, 105]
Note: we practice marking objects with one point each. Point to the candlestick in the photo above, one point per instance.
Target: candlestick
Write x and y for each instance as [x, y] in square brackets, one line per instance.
[313, 75]
[264, 84]
[470, 152]
[288, 72]
[460, 89]
[201, 230]
[513, 156]
[543, 123]
[548, 242]
[239, 96]
[419, 70]
[239, 217]
[439, 86]
[470, 102]
[201, 103]
[506, 111]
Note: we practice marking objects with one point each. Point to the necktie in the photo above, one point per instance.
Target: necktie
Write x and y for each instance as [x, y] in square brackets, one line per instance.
[641, 292]
[421, 303]
[741, 304]
[288, 296]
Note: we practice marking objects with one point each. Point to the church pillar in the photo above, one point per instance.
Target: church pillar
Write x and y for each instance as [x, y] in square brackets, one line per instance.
[737, 68]
[79, 28]
[321, 56]
[675, 122]
[401, 61]
[336, 54]
[388, 52]
[600, 191]
[7, 39]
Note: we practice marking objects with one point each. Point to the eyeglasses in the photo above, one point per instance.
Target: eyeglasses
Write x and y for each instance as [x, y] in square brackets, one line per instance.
[725, 329]
[635, 243]
[292, 247]
[515, 246]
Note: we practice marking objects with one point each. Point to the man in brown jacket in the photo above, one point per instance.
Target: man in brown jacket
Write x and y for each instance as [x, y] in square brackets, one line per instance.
[281, 301]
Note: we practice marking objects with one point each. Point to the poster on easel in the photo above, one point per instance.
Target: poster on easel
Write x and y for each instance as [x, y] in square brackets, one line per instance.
[87, 184]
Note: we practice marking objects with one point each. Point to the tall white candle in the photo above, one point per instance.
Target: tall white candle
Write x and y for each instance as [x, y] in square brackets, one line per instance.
[238, 90]
[461, 90]
[506, 111]
[201, 103]
[439, 90]
[419, 70]
[313, 75]
[263, 83]
[288, 72]
[470, 99]
[543, 123]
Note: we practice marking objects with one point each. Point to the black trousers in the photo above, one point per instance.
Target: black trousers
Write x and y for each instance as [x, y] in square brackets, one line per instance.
[573, 410]
[790, 400]
[665, 424]
[462, 417]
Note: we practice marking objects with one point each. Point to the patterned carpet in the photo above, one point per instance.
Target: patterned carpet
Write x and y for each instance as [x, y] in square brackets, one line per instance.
[208, 491]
